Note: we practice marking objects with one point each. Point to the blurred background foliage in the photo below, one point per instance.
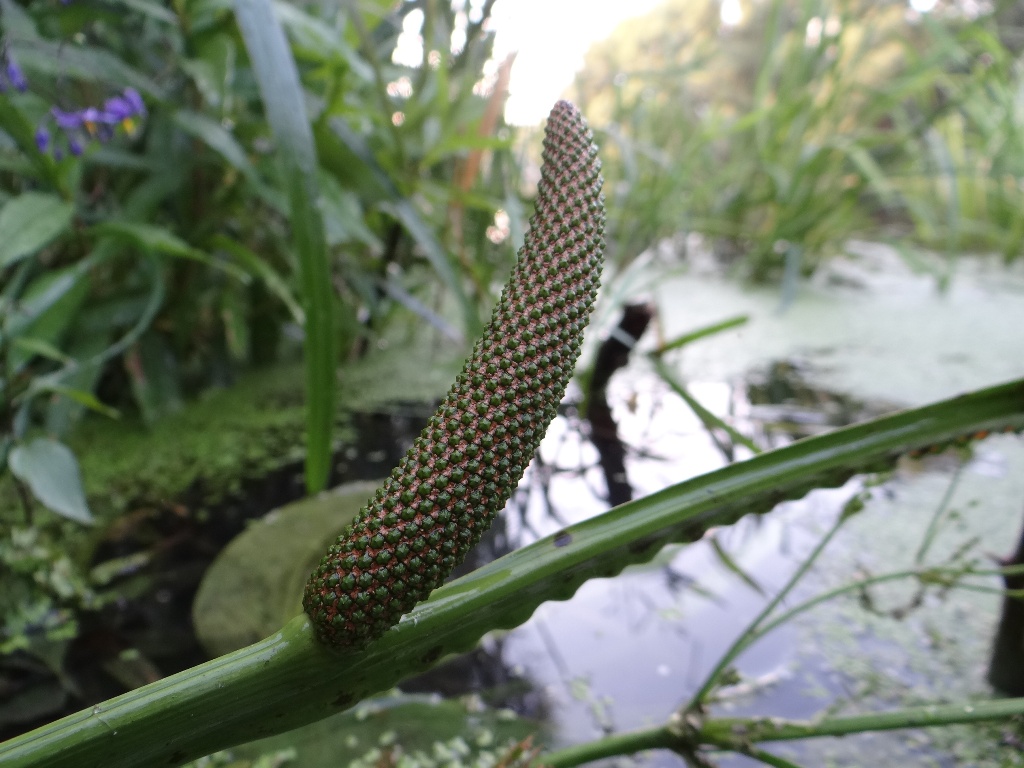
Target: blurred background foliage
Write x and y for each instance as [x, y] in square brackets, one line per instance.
[807, 122]
[146, 237]
[161, 259]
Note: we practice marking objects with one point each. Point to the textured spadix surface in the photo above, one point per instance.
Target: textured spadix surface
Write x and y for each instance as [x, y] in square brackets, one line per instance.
[463, 467]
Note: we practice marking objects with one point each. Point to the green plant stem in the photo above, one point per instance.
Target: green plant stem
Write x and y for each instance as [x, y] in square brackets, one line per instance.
[769, 759]
[756, 630]
[853, 586]
[732, 733]
[940, 511]
[737, 734]
[752, 632]
[629, 743]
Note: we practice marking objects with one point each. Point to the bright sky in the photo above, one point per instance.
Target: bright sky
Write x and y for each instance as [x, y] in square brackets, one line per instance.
[551, 37]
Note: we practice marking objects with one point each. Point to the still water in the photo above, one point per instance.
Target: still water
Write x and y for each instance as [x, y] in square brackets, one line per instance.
[871, 337]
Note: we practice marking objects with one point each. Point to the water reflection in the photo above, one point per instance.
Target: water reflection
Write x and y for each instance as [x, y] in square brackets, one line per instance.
[625, 652]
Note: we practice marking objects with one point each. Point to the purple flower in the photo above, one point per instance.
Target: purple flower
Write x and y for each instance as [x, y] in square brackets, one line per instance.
[11, 74]
[66, 121]
[125, 106]
[91, 116]
[83, 125]
[42, 138]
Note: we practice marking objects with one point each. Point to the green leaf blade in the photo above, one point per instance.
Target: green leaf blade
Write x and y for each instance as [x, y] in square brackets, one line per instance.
[50, 470]
[30, 222]
[282, 94]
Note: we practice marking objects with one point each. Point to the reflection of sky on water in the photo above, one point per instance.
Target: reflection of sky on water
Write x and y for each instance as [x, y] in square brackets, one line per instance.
[626, 652]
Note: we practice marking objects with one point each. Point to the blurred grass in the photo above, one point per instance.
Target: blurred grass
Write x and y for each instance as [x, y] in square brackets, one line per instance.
[811, 122]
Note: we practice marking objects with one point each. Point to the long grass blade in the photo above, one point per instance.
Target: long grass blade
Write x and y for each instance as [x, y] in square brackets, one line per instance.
[281, 90]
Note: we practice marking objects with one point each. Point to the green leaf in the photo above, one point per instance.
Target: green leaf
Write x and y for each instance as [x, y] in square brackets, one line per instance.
[50, 470]
[17, 126]
[398, 206]
[66, 60]
[217, 138]
[316, 39]
[701, 333]
[29, 222]
[160, 240]
[154, 377]
[258, 267]
[84, 398]
[17, 23]
[41, 295]
[142, 312]
[460, 143]
[42, 348]
[357, 164]
[733, 566]
[214, 71]
[235, 606]
[111, 156]
[285, 107]
[149, 8]
[707, 418]
[871, 171]
[410, 218]
[395, 290]
[72, 394]
[235, 315]
[47, 308]
[345, 220]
